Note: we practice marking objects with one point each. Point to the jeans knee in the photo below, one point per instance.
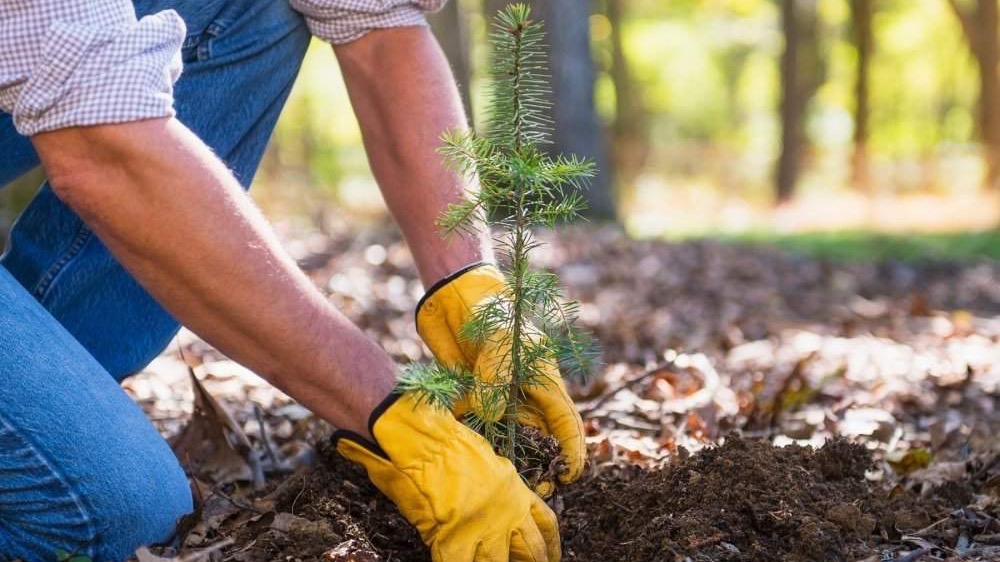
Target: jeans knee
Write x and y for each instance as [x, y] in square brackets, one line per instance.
[119, 499]
[143, 510]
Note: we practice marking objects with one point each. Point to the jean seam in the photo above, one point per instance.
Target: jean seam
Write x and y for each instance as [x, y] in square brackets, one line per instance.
[48, 279]
[92, 538]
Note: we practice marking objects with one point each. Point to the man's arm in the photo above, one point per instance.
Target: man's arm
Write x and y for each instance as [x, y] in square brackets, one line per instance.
[179, 222]
[166, 207]
[405, 97]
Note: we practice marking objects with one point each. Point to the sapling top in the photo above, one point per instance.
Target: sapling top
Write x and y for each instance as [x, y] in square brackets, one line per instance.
[521, 188]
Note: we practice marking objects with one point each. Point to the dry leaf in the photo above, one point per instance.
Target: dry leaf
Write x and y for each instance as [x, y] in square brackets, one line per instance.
[214, 445]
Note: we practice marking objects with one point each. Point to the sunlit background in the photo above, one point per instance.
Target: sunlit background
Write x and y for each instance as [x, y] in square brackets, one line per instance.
[879, 103]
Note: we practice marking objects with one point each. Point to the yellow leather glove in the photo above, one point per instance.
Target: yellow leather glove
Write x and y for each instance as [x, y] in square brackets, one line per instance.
[468, 504]
[441, 314]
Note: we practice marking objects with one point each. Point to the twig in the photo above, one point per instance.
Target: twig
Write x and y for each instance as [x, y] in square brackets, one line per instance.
[144, 555]
[205, 552]
[297, 496]
[216, 492]
[259, 415]
[929, 527]
[604, 398]
[709, 378]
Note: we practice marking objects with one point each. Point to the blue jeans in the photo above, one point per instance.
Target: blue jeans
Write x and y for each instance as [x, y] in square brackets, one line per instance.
[81, 468]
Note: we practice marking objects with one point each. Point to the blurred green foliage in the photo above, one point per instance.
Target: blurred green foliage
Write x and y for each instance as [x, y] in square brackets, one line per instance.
[859, 246]
[709, 72]
[708, 75]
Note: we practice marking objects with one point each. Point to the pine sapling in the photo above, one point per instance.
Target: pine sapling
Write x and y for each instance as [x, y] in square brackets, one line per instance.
[522, 188]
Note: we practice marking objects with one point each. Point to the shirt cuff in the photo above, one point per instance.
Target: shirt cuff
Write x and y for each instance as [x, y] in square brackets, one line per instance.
[90, 75]
[345, 21]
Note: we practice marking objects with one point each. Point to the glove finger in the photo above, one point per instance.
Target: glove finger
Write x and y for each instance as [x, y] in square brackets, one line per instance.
[450, 552]
[493, 551]
[563, 421]
[527, 415]
[548, 527]
[545, 488]
[527, 544]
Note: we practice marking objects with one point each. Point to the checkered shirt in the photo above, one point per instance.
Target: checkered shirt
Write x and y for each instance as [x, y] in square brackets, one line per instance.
[342, 21]
[69, 63]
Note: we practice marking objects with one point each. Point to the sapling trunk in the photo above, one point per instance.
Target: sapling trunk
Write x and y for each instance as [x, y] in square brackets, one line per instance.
[521, 188]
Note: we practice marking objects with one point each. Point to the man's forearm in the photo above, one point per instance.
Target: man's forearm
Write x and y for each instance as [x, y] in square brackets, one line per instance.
[177, 220]
[405, 97]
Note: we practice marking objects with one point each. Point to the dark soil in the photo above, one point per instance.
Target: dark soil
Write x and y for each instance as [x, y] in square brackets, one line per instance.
[745, 501]
[332, 513]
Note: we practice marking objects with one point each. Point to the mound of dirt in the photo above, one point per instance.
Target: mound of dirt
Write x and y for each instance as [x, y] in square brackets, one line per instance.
[743, 501]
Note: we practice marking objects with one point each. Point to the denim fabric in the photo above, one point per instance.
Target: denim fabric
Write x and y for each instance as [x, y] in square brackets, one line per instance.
[80, 467]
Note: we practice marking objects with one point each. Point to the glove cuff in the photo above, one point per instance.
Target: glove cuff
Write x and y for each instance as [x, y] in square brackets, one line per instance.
[440, 283]
[369, 444]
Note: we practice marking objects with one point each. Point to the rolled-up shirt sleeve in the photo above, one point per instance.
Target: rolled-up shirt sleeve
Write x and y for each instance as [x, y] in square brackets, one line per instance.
[343, 21]
[67, 63]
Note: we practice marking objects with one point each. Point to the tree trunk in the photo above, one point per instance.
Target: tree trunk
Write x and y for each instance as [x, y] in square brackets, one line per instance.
[981, 26]
[864, 43]
[800, 77]
[988, 61]
[791, 105]
[630, 132]
[451, 28]
[577, 127]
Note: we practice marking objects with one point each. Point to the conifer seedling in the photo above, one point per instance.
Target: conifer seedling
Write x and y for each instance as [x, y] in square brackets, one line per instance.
[522, 188]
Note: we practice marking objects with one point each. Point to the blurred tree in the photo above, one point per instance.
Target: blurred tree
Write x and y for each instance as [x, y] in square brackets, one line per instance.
[577, 127]
[864, 44]
[981, 24]
[630, 130]
[801, 75]
[451, 27]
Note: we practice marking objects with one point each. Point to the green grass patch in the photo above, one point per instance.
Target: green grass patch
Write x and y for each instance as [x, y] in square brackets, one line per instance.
[858, 246]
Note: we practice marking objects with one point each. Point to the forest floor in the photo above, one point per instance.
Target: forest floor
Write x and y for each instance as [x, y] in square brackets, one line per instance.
[855, 404]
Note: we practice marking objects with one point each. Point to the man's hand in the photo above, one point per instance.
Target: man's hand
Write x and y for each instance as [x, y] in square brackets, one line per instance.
[468, 504]
[440, 316]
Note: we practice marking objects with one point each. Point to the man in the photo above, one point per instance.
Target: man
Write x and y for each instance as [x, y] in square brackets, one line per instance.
[87, 90]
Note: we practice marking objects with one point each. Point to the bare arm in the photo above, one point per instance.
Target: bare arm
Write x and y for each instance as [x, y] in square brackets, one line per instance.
[404, 96]
[179, 222]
